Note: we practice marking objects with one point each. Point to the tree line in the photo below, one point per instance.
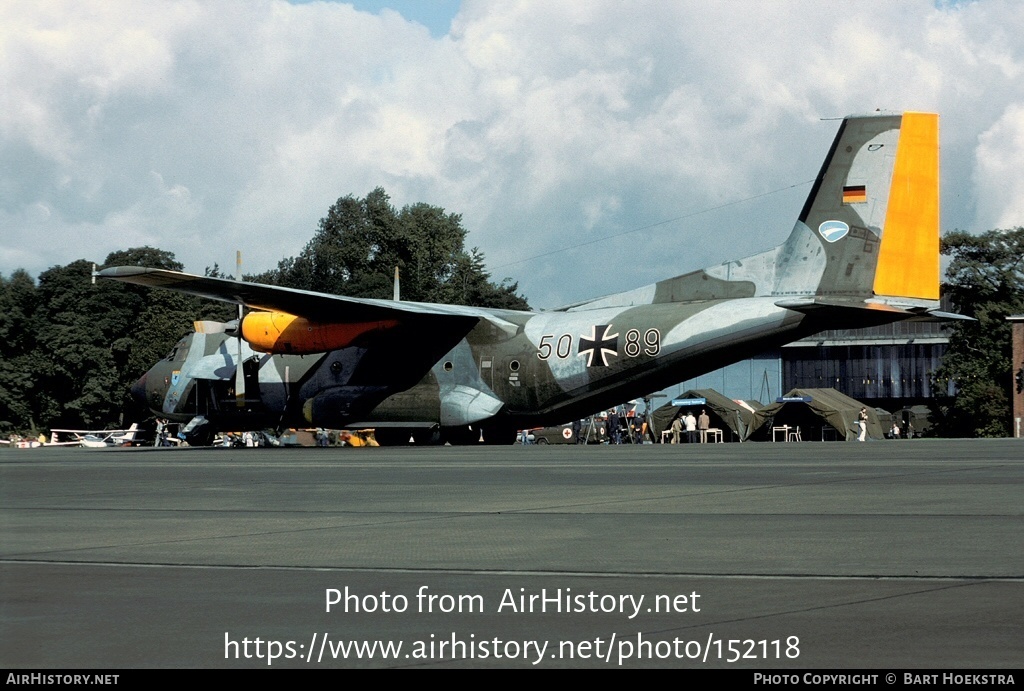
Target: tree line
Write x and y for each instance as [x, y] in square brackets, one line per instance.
[70, 349]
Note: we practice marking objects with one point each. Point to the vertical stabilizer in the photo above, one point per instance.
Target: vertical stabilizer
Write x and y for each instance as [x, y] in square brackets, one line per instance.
[875, 209]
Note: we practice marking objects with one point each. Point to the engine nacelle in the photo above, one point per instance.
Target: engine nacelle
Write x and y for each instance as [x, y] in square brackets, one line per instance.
[283, 333]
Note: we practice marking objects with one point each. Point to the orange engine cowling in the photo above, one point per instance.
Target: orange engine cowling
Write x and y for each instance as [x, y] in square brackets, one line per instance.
[283, 333]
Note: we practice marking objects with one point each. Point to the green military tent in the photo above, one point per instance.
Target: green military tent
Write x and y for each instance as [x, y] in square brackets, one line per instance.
[914, 421]
[823, 414]
[726, 414]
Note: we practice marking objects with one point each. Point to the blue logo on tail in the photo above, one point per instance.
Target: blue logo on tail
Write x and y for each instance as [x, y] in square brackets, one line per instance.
[833, 230]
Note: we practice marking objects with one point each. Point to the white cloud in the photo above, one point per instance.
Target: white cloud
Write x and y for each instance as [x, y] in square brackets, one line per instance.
[999, 171]
[203, 127]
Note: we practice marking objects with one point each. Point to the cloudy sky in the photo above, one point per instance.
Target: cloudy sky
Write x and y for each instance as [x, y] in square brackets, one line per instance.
[591, 147]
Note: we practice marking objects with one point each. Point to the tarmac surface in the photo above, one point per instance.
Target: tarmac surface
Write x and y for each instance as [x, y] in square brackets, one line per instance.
[760, 556]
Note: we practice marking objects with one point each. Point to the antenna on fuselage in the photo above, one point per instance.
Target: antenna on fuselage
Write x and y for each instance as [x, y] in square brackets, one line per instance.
[397, 294]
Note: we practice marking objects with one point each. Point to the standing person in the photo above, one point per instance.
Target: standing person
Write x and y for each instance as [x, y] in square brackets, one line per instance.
[577, 427]
[862, 421]
[703, 423]
[677, 429]
[613, 426]
[158, 438]
[691, 427]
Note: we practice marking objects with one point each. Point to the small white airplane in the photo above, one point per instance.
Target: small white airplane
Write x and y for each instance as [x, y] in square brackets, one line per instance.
[96, 439]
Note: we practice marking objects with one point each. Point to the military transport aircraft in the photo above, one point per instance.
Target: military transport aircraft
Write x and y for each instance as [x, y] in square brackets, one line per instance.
[864, 251]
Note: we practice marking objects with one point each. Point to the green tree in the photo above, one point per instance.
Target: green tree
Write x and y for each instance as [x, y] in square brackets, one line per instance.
[80, 335]
[472, 285]
[985, 280]
[148, 322]
[361, 241]
[18, 304]
[92, 341]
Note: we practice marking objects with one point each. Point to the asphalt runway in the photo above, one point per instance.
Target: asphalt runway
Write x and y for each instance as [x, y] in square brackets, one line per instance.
[896, 554]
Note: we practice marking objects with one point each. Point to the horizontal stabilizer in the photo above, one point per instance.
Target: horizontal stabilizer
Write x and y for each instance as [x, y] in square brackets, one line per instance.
[816, 304]
[909, 312]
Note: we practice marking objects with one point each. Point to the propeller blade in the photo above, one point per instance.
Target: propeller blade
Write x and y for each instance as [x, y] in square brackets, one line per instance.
[239, 377]
[239, 369]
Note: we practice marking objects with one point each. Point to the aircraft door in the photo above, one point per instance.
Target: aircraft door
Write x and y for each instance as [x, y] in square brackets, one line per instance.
[516, 378]
[487, 370]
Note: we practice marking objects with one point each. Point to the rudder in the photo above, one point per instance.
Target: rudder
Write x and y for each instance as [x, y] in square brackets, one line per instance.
[908, 262]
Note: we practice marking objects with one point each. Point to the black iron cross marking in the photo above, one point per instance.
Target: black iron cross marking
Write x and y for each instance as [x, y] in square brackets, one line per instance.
[603, 346]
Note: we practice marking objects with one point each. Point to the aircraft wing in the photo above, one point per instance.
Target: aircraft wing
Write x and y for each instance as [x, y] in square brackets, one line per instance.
[301, 303]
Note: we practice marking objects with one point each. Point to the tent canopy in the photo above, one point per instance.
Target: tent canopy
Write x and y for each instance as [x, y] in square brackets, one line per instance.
[724, 412]
[816, 409]
[919, 417]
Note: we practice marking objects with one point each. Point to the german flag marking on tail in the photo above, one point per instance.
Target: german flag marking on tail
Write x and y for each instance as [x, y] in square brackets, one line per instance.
[857, 194]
